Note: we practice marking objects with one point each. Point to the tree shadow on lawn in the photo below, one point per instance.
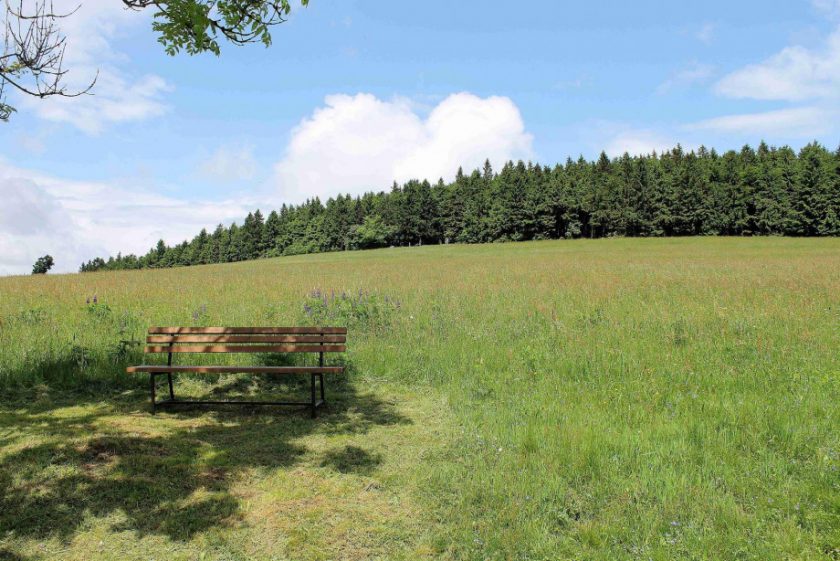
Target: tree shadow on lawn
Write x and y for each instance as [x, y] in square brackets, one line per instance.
[176, 482]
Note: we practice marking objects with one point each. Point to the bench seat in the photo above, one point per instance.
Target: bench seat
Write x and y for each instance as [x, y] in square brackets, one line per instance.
[163, 369]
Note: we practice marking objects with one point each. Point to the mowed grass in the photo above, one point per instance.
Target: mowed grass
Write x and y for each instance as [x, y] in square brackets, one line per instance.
[609, 399]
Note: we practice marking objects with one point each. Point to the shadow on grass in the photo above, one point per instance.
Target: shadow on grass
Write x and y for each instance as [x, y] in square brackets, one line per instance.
[9, 555]
[176, 482]
[352, 459]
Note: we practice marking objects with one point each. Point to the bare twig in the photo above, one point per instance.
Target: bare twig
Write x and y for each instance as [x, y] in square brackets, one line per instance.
[32, 59]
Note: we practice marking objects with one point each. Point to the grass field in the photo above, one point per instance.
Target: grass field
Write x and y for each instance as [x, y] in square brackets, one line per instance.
[611, 399]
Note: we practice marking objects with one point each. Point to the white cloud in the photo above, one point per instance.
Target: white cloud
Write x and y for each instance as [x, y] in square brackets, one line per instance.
[794, 74]
[358, 143]
[229, 165]
[638, 142]
[33, 142]
[32, 224]
[803, 122]
[830, 8]
[118, 96]
[114, 100]
[572, 84]
[76, 220]
[696, 73]
[706, 33]
[354, 143]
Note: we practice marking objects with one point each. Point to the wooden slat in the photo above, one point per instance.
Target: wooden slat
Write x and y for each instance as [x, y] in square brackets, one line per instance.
[175, 339]
[248, 330]
[238, 369]
[246, 349]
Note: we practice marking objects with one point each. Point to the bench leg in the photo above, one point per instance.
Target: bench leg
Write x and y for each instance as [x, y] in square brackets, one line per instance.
[323, 399]
[312, 395]
[152, 390]
[171, 390]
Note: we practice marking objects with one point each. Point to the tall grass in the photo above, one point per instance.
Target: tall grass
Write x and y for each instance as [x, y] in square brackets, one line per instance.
[628, 399]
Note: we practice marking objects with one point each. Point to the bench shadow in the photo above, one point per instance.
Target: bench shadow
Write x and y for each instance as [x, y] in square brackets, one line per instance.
[175, 482]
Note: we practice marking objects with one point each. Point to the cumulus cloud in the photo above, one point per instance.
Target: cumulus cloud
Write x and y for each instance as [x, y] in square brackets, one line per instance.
[118, 96]
[352, 144]
[76, 220]
[794, 74]
[356, 143]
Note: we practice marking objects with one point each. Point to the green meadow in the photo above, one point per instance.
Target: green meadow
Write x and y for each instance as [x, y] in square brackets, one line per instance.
[608, 399]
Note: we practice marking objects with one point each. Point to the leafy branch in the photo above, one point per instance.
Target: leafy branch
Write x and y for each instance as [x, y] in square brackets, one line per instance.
[196, 25]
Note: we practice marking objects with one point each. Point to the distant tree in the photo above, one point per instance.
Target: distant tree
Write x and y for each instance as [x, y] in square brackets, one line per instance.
[373, 232]
[471, 223]
[273, 225]
[42, 265]
[258, 235]
[506, 214]
[252, 235]
[235, 244]
[768, 191]
[95, 264]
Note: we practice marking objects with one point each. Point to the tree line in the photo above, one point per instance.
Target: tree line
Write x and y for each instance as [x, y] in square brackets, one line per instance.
[768, 191]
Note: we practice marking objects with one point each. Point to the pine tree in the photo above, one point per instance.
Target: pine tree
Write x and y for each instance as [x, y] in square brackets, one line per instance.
[272, 232]
[765, 191]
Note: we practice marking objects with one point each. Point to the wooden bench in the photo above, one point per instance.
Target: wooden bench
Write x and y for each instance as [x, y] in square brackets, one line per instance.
[175, 340]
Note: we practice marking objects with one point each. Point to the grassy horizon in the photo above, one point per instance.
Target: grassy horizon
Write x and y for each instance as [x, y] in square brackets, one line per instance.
[667, 398]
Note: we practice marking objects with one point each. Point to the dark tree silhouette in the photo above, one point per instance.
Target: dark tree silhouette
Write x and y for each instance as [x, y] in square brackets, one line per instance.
[42, 265]
[771, 191]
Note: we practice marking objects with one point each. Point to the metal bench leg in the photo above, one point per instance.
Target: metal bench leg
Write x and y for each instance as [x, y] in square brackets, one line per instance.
[169, 374]
[152, 389]
[321, 379]
[312, 395]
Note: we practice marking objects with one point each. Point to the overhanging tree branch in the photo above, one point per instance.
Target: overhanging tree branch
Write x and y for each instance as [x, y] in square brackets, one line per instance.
[32, 59]
[195, 25]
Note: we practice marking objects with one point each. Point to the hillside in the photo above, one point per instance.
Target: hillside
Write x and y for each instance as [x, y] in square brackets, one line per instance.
[768, 191]
[589, 399]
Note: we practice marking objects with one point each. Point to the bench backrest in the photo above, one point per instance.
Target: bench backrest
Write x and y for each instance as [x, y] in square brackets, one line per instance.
[246, 340]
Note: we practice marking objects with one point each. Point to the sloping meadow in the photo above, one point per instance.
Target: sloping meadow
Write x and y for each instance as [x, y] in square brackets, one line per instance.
[623, 399]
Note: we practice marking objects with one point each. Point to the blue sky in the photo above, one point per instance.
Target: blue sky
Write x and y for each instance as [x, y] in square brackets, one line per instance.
[356, 93]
